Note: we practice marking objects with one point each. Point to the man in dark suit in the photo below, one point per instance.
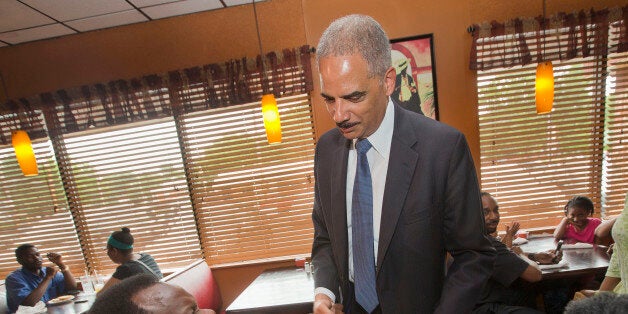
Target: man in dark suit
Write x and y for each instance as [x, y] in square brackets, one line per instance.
[422, 194]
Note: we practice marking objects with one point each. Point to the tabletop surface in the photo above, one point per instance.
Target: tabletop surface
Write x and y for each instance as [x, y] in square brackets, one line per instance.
[289, 289]
[580, 260]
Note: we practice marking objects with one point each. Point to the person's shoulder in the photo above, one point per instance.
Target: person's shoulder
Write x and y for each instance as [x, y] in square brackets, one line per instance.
[146, 257]
[595, 221]
[15, 275]
[498, 245]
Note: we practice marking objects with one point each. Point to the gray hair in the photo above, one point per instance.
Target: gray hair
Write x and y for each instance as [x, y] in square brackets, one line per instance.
[357, 34]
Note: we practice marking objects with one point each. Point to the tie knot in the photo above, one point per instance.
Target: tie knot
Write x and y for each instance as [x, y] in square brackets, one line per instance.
[363, 146]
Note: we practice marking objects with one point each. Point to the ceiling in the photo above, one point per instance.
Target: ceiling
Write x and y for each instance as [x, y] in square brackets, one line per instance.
[29, 20]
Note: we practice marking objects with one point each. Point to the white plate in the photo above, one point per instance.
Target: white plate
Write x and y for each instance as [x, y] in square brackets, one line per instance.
[61, 299]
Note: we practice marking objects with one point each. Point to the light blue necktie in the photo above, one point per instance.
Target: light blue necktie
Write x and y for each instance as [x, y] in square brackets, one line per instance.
[362, 231]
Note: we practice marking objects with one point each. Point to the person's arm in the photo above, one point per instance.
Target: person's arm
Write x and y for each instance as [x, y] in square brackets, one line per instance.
[68, 278]
[560, 229]
[603, 231]
[609, 283]
[112, 281]
[38, 292]
[532, 273]
[326, 274]
[464, 235]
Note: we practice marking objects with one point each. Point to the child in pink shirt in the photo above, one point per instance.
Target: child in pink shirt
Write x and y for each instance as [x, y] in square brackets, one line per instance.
[577, 225]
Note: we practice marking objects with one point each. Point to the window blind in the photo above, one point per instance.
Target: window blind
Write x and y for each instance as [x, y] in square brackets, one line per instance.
[252, 200]
[132, 176]
[35, 210]
[616, 139]
[534, 163]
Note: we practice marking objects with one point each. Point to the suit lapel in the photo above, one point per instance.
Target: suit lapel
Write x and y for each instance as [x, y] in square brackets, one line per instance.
[401, 165]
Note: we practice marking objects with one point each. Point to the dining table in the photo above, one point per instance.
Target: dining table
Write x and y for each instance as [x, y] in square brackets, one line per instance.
[579, 259]
[287, 290]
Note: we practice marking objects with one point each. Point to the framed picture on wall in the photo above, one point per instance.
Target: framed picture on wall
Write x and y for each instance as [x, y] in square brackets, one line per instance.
[415, 84]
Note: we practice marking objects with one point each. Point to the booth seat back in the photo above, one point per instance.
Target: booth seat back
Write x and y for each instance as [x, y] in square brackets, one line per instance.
[197, 279]
[4, 308]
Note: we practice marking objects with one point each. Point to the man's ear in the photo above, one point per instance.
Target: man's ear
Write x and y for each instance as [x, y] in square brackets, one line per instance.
[389, 80]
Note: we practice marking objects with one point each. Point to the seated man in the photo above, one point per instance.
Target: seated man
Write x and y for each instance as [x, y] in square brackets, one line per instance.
[33, 282]
[145, 294]
[504, 293]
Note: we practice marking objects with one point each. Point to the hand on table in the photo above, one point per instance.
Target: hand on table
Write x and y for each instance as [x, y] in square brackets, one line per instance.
[549, 257]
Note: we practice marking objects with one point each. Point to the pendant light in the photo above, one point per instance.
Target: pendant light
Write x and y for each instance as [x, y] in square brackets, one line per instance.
[22, 144]
[24, 153]
[270, 112]
[544, 83]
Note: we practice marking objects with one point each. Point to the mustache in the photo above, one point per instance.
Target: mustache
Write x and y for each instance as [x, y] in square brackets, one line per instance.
[345, 124]
[493, 221]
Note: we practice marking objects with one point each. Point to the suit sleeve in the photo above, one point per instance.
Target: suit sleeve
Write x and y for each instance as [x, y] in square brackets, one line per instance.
[325, 272]
[463, 235]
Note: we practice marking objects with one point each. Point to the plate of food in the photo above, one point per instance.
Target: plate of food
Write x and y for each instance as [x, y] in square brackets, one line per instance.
[61, 299]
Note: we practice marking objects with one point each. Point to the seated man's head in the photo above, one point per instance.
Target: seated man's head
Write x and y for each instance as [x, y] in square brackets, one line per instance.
[143, 294]
[28, 256]
[491, 212]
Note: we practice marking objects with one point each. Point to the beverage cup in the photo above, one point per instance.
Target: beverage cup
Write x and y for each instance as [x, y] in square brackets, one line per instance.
[522, 234]
[87, 284]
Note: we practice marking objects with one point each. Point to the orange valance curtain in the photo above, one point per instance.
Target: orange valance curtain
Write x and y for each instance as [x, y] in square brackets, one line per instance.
[235, 82]
[560, 37]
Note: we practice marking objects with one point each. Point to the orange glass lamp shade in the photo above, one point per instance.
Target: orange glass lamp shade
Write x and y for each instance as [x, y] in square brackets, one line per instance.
[272, 124]
[24, 153]
[544, 87]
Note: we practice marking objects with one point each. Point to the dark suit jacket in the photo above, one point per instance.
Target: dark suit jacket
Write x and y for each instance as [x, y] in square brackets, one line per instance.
[431, 205]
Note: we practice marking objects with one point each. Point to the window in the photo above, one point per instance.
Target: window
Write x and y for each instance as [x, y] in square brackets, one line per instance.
[253, 200]
[534, 163]
[180, 158]
[132, 176]
[35, 210]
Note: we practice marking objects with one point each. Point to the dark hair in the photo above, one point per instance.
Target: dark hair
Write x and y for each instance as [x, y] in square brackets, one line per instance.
[582, 202]
[603, 302]
[123, 235]
[482, 194]
[22, 249]
[119, 297]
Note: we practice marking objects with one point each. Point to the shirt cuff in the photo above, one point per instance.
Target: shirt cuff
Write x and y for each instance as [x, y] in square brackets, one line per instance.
[326, 292]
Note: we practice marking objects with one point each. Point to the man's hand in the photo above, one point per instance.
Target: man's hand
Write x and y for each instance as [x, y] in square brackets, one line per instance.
[512, 228]
[56, 259]
[50, 272]
[549, 257]
[324, 305]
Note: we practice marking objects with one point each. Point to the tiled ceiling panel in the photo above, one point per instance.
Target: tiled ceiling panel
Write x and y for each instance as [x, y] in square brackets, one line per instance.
[231, 3]
[148, 3]
[181, 7]
[35, 33]
[14, 16]
[66, 10]
[28, 20]
[108, 20]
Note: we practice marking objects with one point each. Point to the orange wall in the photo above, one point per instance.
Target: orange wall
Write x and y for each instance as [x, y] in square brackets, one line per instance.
[216, 36]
